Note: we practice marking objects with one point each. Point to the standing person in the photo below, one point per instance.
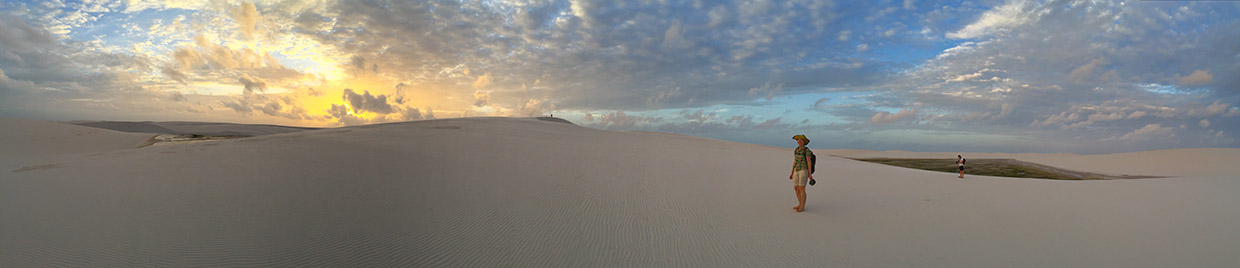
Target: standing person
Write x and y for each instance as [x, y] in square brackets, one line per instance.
[802, 171]
[960, 162]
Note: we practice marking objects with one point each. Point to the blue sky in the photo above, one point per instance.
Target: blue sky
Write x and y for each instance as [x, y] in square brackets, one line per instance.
[959, 76]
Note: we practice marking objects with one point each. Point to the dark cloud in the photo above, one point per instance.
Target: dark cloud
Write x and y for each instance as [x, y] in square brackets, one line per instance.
[17, 37]
[252, 84]
[367, 103]
[177, 96]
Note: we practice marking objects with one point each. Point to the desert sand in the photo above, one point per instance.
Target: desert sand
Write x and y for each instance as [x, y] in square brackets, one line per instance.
[199, 128]
[522, 192]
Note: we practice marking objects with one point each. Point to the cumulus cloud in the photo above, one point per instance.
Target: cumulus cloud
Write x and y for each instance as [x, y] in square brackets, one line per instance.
[247, 17]
[252, 84]
[534, 108]
[367, 103]
[18, 37]
[767, 90]
[409, 114]
[1151, 131]
[1197, 78]
[1081, 73]
[1204, 123]
[343, 116]
[174, 95]
[482, 98]
[886, 117]
[1218, 108]
[483, 81]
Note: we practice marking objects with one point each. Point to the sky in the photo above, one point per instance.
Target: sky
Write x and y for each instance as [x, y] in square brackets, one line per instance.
[972, 76]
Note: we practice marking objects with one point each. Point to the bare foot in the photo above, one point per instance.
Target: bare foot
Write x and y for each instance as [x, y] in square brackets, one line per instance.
[796, 208]
[800, 209]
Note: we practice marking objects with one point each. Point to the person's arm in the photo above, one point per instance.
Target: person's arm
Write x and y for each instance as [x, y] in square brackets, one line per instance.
[794, 168]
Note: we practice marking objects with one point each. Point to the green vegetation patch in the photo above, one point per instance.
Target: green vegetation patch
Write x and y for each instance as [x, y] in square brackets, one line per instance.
[991, 167]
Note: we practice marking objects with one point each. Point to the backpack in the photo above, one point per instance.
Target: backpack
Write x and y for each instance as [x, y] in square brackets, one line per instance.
[812, 160]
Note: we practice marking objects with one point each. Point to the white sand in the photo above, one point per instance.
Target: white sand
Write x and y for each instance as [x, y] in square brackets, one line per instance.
[530, 193]
[23, 141]
[200, 128]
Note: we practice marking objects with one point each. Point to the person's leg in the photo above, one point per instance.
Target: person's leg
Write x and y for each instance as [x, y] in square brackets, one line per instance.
[803, 198]
[797, 191]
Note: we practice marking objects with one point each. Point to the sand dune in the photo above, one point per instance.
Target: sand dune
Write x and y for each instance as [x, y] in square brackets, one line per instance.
[533, 193]
[200, 128]
[26, 140]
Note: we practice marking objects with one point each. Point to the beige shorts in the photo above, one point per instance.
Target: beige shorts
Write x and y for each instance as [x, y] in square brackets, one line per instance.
[800, 177]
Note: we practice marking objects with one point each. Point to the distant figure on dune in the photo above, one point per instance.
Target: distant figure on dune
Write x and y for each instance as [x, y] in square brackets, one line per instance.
[802, 170]
[960, 162]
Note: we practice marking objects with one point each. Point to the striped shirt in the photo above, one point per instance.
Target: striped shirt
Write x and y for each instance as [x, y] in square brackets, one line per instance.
[801, 161]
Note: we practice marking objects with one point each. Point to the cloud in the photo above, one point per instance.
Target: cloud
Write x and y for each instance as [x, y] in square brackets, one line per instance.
[483, 81]
[534, 108]
[272, 108]
[1217, 108]
[1000, 19]
[1204, 123]
[886, 117]
[820, 103]
[657, 101]
[1005, 109]
[365, 102]
[673, 37]
[767, 90]
[1197, 78]
[1148, 132]
[252, 84]
[207, 61]
[771, 124]
[17, 37]
[482, 98]
[1081, 73]
[698, 116]
[580, 65]
[247, 17]
[177, 96]
[409, 114]
[622, 120]
[342, 115]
